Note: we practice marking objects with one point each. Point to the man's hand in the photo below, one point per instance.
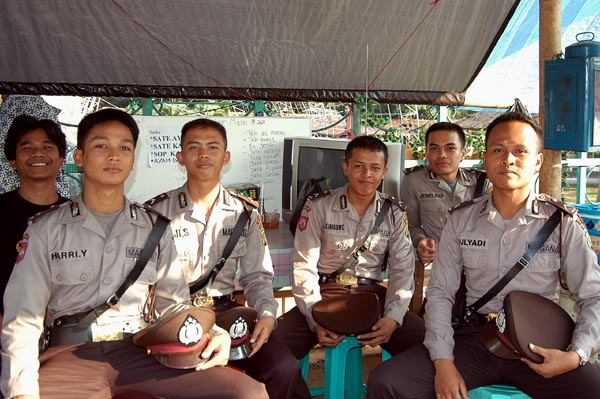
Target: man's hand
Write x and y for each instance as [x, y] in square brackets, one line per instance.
[382, 331]
[449, 384]
[217, 350]
[261, 333]
[327, 338]
[556, 362]
[426, 249]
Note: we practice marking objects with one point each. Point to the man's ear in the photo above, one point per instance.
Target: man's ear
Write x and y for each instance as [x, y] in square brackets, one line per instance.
[78, 157]
[539, 161]
[179, 157]
[226, 158]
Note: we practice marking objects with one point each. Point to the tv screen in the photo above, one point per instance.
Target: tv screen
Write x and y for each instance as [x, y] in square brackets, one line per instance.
[321, 162]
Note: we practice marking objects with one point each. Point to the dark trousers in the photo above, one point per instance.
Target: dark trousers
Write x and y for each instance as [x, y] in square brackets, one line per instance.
[103, 369]
[293, 330]
[411, 374]
[275, 366]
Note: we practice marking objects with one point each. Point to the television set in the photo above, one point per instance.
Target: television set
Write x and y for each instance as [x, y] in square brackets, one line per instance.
[304, 158]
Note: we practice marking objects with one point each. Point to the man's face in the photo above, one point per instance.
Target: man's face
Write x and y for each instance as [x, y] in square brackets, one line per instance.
[36, 157]
[107, 155]
[365, 171]
[444, 153]
[511, 158]
[203, 154]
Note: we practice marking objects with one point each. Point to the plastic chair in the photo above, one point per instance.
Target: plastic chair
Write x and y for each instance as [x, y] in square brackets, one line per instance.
[497, 392]
[343, 371]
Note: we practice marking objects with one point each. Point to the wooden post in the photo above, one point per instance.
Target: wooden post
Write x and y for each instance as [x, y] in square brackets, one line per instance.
[550, 48]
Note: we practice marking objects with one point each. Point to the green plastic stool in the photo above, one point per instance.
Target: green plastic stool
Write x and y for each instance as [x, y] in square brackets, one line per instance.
[497, 392]
[487, 392]
[343, 371]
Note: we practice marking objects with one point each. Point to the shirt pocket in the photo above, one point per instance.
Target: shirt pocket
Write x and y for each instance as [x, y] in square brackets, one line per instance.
[379, 245]
[148, 276]
[474, 258]
[71, 272]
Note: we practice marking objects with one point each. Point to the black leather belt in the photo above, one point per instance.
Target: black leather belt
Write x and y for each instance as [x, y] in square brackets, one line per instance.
[346, 279]
[65, 330]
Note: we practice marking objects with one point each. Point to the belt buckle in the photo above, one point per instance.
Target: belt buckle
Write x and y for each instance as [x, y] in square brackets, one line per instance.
[202, 301]
[105, 333]
[346, 279]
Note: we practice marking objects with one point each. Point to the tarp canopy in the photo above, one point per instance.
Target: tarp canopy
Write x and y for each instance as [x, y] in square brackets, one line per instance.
[403, 51]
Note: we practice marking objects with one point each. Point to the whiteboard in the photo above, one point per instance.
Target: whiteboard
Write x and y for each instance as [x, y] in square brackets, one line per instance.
[256, 146]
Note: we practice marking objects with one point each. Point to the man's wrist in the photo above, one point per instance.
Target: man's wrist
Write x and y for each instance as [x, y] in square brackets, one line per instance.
[583, 356]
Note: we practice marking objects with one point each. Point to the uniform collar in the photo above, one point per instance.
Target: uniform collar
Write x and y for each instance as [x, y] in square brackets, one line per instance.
[532, 209]
[342, 204]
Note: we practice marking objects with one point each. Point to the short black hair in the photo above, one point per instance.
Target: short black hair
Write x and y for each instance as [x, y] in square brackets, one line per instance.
[203, 123]
[453, 127]
[370, 143]
[516, 117]
[94, 119]
[24, 124]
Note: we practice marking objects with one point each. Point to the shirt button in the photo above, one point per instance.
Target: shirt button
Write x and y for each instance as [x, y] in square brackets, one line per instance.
[506, 241]
[108, 249]
[59, 277]
[106, 281]
[503, 270]
[361, 229]
[83, 277]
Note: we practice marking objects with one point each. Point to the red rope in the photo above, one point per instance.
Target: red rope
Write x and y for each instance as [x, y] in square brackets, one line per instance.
[433, 4]
[175, 53]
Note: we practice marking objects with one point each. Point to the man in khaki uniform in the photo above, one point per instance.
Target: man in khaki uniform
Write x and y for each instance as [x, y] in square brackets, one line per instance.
[73, 259]
[331, 225]
[484, 238]
[204, 215]
[430, 191]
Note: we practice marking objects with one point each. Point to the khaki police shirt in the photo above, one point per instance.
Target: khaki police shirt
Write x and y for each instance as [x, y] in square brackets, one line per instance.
[488, 247]
[200, 244]
[428, 198]
[69, 266]
[328, 230]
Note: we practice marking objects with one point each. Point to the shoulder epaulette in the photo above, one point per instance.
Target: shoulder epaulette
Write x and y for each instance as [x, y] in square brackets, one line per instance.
[148, 209]
[243, 198]
[37, 216]
[413, 169]
[393, 200]
[156, 200]
[321, 194]
[465, 204]
[557, 203]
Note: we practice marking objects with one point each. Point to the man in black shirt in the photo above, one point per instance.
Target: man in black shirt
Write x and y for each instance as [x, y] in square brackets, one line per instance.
[36, 151]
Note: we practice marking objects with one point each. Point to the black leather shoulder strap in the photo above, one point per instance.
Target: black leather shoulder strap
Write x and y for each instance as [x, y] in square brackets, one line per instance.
[522, 263]
[157, 232]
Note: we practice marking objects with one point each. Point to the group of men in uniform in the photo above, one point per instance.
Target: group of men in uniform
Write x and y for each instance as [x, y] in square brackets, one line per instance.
[79, 253]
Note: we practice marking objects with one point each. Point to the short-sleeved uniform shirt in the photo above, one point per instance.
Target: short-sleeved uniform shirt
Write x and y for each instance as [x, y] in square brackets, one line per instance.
[200, 244]
[477, 240]
[428, 198]
[68, 265]
[328, 230]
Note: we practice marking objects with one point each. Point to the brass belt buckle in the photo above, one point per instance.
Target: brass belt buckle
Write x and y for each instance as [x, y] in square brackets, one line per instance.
[202, 301]
[346, 279]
